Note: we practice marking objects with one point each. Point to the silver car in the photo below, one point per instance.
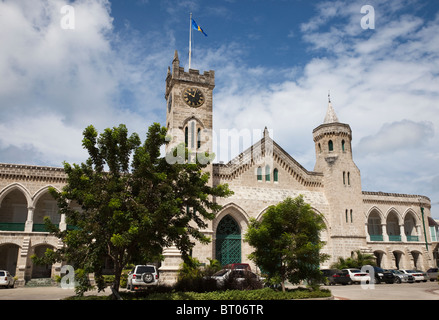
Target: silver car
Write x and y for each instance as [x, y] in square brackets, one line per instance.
[6, 279]
[432, 274]
[401, 276]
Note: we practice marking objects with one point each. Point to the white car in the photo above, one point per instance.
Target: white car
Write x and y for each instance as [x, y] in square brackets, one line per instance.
[418, 275]
[357, 276]
[142, 276]
[6, 279]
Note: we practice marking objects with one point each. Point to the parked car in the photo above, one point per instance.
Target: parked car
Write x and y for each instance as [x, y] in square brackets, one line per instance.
[401, 277]
[142, 276]
[418, 276]
[381, 275]
[335, 276]
[424, 275]
[238, 275]
[6, 280]
[239, 266]
[357, 276]
[432, 274]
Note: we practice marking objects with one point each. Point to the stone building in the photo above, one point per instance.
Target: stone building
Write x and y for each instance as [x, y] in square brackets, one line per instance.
[396, 228]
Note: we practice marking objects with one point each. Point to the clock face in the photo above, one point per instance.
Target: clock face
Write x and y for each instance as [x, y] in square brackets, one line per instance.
[193, 97]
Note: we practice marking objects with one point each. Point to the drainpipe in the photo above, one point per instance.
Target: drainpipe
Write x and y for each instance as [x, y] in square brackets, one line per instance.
[423, 224]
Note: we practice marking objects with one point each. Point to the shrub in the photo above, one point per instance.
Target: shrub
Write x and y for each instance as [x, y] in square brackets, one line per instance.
[194, 277]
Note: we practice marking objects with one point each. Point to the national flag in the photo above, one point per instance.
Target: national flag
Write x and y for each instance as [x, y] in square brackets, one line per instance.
[195, 26]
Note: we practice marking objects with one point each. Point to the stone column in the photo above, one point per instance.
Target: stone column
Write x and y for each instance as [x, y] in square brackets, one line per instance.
[30, 219]
[384, 232]
[401, 231]
[170, 265]
[62, 223]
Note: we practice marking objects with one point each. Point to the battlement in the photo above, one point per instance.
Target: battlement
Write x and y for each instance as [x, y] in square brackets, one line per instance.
[192, 76]
[332, 129]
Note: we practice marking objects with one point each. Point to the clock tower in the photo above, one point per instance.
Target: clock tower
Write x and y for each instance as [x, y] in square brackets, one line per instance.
[188, 120]
[189, 107]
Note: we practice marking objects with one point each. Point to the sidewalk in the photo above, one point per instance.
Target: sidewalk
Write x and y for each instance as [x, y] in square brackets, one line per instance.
[44, 293]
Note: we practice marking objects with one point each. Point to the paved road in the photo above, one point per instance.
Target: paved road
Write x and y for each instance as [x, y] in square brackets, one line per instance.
[404, 291]
[41, 293]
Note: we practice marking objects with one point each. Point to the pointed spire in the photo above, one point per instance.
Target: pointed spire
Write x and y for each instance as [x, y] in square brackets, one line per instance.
[330, 113]
[176, 56]
[266, 134]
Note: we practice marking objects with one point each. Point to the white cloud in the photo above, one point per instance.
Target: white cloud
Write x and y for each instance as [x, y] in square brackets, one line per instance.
[396, 136]
[56, 81]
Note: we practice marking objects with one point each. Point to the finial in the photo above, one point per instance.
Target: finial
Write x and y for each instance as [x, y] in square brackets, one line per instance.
[265, 132]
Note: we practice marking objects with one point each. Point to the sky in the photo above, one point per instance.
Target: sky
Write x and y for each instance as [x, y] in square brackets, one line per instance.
[67, 64]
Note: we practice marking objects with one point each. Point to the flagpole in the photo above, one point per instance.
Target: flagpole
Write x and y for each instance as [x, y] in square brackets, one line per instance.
[190, 39]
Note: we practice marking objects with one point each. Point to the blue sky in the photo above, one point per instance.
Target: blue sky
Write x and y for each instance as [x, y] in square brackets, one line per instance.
[274, 63]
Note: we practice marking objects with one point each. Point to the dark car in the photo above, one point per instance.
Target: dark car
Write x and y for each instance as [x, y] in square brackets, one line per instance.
[335, 276]
[381, 275]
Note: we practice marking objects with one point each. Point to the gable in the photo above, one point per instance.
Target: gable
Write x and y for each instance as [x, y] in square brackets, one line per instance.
[266, 154]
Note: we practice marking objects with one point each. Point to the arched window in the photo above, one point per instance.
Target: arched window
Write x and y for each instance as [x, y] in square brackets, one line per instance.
[267, 173]
[320, 148]
[198, 138]
[349, 178]
[342, 145]
[330, 145]
[186, 136]
[344, 178]
[275, 175]
[259, 173]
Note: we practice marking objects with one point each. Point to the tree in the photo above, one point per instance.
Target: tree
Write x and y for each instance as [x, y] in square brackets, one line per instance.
[286, 242]
[133, 203]
[356, 260]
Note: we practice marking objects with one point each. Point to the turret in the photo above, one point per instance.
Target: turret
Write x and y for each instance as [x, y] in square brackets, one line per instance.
[341, 176]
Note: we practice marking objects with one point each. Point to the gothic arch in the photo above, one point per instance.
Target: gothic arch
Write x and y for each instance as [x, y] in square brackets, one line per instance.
[413, 213]
[393, 210]
[19, 187]
[377, 210]
[236, 212]
[198, 121]
[41, 192]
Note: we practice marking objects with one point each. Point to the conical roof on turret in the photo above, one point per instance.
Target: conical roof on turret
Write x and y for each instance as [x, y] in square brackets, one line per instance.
[330, 117]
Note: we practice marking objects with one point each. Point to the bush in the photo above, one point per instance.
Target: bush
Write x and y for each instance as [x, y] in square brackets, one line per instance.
[194, 277]
[260, 294]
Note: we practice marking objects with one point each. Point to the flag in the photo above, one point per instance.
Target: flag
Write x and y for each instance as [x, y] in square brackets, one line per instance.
[195, 26]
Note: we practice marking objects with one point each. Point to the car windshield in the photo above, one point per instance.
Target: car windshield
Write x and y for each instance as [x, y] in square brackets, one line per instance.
[410, 271]
[2, 273]
[220, 273]
[143, 269]
[355, 270]
[396, 271]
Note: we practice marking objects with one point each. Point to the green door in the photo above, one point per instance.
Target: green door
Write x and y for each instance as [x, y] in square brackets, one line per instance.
[228, 241]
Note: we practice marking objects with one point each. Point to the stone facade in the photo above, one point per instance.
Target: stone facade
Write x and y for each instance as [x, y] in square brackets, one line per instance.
[391, 226]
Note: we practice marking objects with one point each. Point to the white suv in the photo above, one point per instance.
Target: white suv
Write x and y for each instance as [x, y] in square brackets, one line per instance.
[6, 279]
[142, 276]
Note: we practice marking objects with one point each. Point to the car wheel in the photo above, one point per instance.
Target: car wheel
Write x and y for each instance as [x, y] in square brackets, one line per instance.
[147, 277]
[397, 280]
